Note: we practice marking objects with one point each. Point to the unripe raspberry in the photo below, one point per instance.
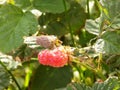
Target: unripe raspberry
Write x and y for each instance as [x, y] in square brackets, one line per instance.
[47, 41]
[57, 57]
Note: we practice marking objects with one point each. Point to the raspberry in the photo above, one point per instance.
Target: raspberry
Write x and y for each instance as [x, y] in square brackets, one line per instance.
[55, 58]
[47, 41]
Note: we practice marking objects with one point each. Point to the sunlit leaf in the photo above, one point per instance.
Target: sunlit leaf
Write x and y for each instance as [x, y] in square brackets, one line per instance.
[110, 43]
[94, 26]
[14, 25]
[113, 9]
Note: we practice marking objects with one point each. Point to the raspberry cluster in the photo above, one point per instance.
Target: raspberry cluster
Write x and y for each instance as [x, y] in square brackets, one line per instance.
[57, 57]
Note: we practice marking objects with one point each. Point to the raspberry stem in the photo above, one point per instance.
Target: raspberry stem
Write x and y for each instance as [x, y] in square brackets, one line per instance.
[11, 75]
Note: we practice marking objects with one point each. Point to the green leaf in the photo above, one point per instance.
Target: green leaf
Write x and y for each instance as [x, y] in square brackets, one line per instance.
[109, 43]
[22, 3]
[10, 63]
[109, 18]
[53, 6]
[4, 79]
[114, 63]
[112, 42]
[85, 38]
[14, 25]
[76, 16]
[61, 89]
[94, 26]
[45, 19]
[99, 46]
[55, 28]
[113, 11]
[112, 7]
[78, 86]
[7, 64]
[111, 83]
[48, 78]
[57, 24]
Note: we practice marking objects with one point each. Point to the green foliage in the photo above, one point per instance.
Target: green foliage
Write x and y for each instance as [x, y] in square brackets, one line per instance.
[76, 16]
[57, 24]
[4, 78]
[89, 27]
[14, 24]
[85, 38]
[54, 6]
[110, 84]
[52, 28]
[93, 26]
[104, 26]
[113, 13]
[7, 64]
[23, 3]
[48, 78]
[108, 44]
[78, 86]
[111, 45]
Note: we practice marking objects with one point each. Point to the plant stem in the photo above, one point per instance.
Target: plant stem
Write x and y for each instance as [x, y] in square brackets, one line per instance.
[69, 25]
[85, 65]
[99, 60]
[11, 75]
[99, 68]
[101, 8]
[98, 5]
[98, 72]
[88, 10]
[28, 76]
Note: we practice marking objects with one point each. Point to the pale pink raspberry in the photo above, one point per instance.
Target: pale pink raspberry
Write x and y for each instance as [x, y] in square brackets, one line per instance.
[46, 41]
[55, 58]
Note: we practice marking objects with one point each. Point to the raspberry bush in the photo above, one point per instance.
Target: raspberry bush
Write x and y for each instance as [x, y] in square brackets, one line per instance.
[59, 45]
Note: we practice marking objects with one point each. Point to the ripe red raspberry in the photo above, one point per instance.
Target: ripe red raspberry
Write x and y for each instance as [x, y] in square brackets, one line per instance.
[55, 58]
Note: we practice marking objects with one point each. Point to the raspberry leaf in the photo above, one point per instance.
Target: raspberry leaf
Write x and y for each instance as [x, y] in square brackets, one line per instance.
[48, 78]
[109, 43]
[113, 13]
[110, 84]
[53, 6]
[4, 79]
[23, 3]
[14, 25]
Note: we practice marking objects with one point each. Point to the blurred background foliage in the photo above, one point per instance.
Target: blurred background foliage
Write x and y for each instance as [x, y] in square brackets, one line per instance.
[90, 26]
